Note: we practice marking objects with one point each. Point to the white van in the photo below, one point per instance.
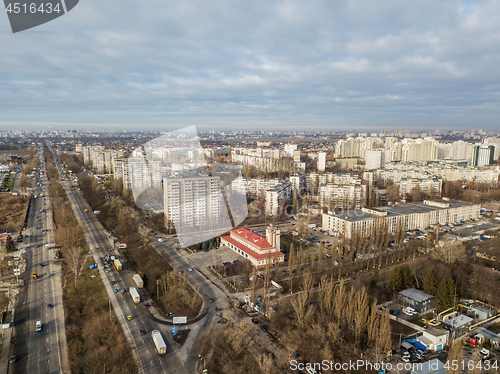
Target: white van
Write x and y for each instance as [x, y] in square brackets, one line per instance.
[38, 326]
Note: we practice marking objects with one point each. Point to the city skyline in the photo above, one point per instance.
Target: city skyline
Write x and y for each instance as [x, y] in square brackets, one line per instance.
[275, 65]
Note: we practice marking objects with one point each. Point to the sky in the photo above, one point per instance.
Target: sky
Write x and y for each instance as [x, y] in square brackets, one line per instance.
[255, 65]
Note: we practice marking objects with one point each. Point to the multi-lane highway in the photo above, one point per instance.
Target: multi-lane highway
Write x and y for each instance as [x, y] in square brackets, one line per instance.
[40, 351]
[143, 349]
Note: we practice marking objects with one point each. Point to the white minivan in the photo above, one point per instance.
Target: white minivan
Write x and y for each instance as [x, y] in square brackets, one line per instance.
[38, 326]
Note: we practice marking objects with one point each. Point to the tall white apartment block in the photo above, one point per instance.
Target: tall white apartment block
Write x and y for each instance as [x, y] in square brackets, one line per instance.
[275, 196]
[290, 148]
[297, 181]
[321, 161]
[342, 196]
[192, 201]
[376, 158]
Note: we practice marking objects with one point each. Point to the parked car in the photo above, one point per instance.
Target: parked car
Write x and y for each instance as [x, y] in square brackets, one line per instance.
[263, 328]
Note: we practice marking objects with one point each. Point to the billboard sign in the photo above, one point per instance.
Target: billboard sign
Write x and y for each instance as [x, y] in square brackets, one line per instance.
[180, 320]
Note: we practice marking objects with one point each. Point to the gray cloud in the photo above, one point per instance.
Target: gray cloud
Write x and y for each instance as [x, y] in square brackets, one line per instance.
[256, 64]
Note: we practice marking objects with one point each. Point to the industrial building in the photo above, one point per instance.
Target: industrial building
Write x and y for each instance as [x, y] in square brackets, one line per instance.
[480, 312]
[458, 324]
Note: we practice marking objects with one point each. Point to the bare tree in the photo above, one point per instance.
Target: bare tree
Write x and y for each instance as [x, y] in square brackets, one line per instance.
[75, 262]
[384, 333]
[450, 252]
[455, 354]
[373, 324]
[361, 312]
[266, 363]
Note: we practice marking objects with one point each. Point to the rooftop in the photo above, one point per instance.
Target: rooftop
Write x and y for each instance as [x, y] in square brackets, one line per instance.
[429, 367]
[458, 321]
[404, 209]
[417, 295]
[251, 237]
[436, 331]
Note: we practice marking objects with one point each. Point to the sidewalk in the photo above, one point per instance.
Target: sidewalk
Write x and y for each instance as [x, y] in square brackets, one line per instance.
[6, 349]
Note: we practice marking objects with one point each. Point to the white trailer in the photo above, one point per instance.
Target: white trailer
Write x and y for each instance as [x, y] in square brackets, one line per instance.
[138, 280]
[160, 345]
[135, 295]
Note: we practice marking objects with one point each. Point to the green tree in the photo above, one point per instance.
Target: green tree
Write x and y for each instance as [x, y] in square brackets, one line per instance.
[430, 282]
[446, 293]
[405, 277]
[395, 280]
[9, 244]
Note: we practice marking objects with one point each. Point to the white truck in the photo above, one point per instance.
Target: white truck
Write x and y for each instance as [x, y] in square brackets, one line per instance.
[160, 345]
[135, 295]
[138, 280]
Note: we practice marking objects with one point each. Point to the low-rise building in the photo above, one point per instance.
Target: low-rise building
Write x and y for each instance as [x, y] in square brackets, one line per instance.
[480, 312]
[254, 247]
[458, 324]
[418, 300]
[410, 216]
[434, 338]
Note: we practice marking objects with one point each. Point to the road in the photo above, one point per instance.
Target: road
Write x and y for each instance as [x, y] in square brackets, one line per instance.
[147, 359]
[44, 351]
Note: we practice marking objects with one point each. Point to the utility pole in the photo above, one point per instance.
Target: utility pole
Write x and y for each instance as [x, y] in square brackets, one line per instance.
[109, 303]
[157, 290]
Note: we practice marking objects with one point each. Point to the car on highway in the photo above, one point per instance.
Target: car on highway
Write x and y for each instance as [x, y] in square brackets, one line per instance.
[123, 290]
[13, 359]
[145, 305]
[50, 306]
[190, 269]
[210, 300]
[143, 332]
[116, 290]
[129, 317]
[42, 265]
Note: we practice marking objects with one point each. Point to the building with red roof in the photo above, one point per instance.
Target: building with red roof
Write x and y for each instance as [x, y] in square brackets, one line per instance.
[254, 247]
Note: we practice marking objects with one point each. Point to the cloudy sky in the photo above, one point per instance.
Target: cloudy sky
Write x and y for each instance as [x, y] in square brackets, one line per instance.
[228, 64]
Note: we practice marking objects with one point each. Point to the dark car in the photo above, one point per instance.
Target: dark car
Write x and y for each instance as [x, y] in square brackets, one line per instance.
[13, 359]
[255, 321]
[263, 328]
[294, 354]
[145, 305]
[50, 306]
[143, 332]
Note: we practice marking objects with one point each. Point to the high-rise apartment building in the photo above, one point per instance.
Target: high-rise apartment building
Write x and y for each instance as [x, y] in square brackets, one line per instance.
[376, 158]
[321, 161]
[276, 196]
[192, 202]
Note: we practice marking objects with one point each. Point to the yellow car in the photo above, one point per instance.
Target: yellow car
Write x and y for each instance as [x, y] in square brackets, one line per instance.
[129, 317]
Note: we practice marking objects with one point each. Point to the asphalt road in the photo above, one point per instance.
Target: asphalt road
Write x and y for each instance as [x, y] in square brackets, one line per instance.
[146, 357]
[39, 352]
